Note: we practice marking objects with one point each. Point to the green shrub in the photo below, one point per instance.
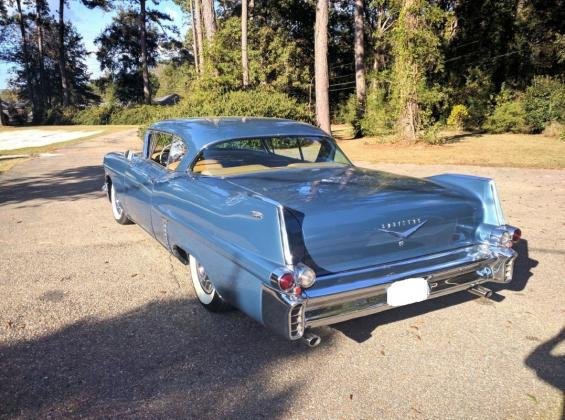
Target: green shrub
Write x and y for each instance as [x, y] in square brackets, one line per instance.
[544, 101]
[508, 115]
[432, 134]
[96, 115]
[476, 95]
[459, 117]
[379, 118]
[60, 116]
[201, 104]
[346, 112]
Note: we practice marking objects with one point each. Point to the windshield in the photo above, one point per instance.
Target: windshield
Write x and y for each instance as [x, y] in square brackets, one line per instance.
[242, 156]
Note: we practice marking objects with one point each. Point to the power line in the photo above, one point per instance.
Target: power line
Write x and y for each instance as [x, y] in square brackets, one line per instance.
[341, 77]
[340, 89]
[344, 83]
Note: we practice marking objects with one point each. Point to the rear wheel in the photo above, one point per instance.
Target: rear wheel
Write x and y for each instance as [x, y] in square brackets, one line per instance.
[117, 208]
[204, 288]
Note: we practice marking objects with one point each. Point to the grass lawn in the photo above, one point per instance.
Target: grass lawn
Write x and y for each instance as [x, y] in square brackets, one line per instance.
[512, 150]
[6, 164]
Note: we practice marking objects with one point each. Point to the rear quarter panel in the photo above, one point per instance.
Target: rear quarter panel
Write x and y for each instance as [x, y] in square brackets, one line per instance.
[236, 235]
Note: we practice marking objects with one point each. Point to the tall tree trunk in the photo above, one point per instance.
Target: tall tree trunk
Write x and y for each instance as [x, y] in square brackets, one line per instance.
[360, 84]
[64, 81]
[407, 73]
[244, 60]
[321, 65]
[199, 36]
[39, 8]
[194, 39]
[143, 45]
[25, 50]
[208, 16]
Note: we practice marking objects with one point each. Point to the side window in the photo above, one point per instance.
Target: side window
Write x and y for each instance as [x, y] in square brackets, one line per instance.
[159, 146]
[176, 153]
[166, 149]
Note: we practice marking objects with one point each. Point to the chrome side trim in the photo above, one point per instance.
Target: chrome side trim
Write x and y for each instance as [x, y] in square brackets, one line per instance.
[497, 206]
[284, 236]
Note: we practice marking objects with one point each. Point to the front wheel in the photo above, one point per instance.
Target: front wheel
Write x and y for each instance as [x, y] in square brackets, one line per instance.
[117, 209]
[204, 288]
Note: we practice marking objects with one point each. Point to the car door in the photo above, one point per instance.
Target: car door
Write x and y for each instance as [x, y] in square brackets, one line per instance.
[166, 190]
[141, 175]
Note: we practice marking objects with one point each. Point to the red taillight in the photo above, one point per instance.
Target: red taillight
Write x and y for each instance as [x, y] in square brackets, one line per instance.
[516, 235]
[286, 281]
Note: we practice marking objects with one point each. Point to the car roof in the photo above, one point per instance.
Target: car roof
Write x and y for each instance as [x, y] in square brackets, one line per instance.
[200, 132]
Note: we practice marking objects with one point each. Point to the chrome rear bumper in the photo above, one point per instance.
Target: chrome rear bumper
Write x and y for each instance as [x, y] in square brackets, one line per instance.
[363, 292]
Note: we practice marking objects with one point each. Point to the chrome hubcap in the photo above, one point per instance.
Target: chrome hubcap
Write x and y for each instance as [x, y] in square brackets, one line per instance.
[203, 279]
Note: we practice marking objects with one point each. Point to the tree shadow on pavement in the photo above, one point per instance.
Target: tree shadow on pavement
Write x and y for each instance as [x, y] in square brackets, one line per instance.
[166, 359]
[68, 184]
[548, 366]
[361, 329]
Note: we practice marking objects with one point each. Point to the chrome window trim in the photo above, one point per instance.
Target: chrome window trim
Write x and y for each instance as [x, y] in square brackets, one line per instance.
[173, 138]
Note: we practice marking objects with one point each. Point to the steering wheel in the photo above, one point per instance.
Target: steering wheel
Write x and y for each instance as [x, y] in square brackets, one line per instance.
[164, 155]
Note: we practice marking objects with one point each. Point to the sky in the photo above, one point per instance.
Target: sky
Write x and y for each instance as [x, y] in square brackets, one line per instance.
[89, 24]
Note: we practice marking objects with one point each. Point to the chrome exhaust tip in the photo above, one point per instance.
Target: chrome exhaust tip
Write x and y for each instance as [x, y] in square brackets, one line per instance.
[312, 340]
[481, 291]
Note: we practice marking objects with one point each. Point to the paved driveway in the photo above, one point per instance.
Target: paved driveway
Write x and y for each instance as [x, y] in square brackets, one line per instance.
[98, 319]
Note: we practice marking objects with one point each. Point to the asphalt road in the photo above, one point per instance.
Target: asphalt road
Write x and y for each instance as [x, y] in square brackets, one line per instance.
[97, 319]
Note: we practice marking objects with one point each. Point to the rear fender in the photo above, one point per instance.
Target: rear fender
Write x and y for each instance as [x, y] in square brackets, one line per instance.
[482, 188]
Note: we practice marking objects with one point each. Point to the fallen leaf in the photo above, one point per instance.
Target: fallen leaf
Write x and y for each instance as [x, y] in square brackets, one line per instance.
[134, 275]
[532, 338]
[533, 398]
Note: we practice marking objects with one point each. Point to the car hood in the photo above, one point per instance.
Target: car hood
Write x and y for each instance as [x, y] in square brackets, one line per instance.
[351, 217]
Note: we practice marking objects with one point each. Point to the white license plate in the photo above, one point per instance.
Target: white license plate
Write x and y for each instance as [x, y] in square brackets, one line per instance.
[407, 291]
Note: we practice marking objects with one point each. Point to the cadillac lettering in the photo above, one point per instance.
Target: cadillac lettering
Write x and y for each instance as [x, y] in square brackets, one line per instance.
[271, 217]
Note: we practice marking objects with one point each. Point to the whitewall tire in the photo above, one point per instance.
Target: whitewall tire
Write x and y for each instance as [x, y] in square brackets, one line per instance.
[204, 288]
[118, 209]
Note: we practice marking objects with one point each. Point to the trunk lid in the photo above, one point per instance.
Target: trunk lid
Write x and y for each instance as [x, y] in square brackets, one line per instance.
[351, 217]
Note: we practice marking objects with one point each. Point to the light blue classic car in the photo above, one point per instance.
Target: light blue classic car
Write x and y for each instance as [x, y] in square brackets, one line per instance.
[274, 219]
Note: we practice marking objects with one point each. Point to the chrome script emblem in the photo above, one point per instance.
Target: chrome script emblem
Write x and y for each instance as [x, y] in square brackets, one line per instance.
[393, 228]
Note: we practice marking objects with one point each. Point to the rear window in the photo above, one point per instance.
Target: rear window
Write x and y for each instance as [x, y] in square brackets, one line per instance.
[235, 157]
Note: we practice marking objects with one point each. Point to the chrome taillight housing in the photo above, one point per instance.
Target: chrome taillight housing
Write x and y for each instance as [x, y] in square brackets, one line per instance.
[305, 276]
[293, 279]
[505, 235]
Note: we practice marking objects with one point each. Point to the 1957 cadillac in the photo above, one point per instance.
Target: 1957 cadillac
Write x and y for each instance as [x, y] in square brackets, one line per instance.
[274, 219]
